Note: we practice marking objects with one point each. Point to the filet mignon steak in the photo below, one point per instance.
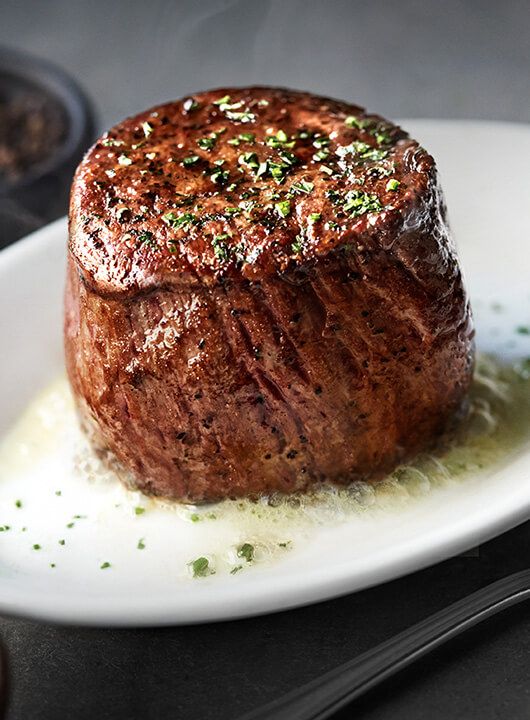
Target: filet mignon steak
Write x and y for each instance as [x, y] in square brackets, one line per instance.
[262, 295]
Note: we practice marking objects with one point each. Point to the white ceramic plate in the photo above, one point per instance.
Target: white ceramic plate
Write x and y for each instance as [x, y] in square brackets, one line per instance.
[487, 185]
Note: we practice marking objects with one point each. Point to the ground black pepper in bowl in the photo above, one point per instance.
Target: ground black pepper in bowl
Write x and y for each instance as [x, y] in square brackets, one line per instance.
[32, 126]
[46, 124]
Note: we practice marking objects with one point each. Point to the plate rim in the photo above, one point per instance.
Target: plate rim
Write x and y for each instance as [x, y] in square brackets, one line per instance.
[262, 597]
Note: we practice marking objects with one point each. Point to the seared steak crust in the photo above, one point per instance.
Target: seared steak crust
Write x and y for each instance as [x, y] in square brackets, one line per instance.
[262, 294]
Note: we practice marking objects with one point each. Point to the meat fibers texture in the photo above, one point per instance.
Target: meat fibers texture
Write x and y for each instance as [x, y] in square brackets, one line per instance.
[262, 295]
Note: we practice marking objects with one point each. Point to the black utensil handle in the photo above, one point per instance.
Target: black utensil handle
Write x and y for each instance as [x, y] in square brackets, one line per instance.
[322, 697]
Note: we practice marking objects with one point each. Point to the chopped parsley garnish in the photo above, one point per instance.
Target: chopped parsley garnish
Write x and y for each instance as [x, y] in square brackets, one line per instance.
[358, 203]
[242, 137]
[58, 493]
[104, 565]
[281, 139]
[139, 510]
[246, 551]
[392, 184]
[190, 104]
[222, 101]
[283, 208]
[147, 238]
[208, 142]
[335, 197]
[147, 128]
[236, 569]
[200, 567]
[234, 111]
[523, 329]
[321, 155]
[315, 217]
[321, 142]
[36, 546]
[220, 248]
[354, 122]
[141, 544]
[62, 542]
[112, 142]
[190, 160]
[220, 177]
[362, 152]
[381, 137]
[180, 220]
[18, 503]
[70, 525]
[302, 186]
[288, 158]
[285, 544]
[249, 160]
[296, 247]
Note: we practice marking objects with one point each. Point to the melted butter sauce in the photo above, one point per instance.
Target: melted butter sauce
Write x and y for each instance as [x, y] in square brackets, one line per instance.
[64, 510]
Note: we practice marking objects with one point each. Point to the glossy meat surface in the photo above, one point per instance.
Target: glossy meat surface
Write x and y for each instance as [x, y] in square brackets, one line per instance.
[262, 294]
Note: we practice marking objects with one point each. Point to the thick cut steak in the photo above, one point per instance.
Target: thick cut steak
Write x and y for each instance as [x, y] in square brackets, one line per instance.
[262, 295]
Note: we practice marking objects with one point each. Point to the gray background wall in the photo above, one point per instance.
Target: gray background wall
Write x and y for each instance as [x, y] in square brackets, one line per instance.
[414, 58]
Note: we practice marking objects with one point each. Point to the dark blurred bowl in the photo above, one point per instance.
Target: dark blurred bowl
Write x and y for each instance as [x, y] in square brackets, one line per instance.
[41, 193]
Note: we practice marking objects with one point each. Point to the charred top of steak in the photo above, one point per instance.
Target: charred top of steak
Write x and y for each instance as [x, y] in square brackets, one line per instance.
[241, 184]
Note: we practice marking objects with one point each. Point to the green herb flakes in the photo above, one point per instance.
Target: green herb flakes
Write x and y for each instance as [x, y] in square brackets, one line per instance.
[18, 503]
[281, 139]
[190, 104]
[361, 152]
[139, 510]
[296, 246]
[180, 220]
[246, 551]
[190, 160]
[141, 544]
[62, 542]
[303, 187]
[283, 208]
[242, 137]
[220, 177]
[353, 122]
[147, 128]
[207, 143]
[392, 184]
[314, 217]
[236, 569]
[222, 101]
[200, 567]
[37, 546]
[124, 160]
[220, 248]
[523, 329]
[111, 142]
[105, 565]
[358, 203]
[147, 238]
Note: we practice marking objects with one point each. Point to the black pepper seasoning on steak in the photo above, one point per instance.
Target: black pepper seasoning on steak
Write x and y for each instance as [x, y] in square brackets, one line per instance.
[262, 294]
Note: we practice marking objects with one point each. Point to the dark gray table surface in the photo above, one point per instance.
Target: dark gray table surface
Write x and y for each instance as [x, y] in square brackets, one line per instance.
[416, 58]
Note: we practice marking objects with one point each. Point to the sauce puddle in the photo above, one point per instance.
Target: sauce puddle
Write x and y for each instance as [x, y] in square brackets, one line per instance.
[62, 510]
